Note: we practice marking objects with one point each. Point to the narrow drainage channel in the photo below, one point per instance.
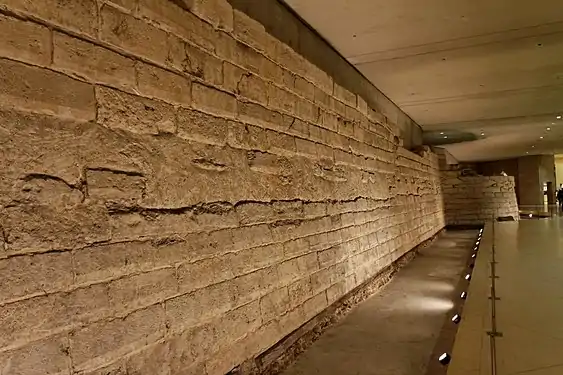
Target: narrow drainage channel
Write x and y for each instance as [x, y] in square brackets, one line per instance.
[440, 357]
[404, 327]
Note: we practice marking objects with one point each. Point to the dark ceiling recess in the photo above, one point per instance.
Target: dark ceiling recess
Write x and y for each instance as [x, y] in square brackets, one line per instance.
[445, 138]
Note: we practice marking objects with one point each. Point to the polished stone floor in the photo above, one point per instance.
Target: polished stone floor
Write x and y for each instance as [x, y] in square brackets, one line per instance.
[399, 330]
[528, 311]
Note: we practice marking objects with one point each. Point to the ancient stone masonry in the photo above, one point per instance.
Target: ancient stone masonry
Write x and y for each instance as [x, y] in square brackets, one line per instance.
[474, 200]
[179, 190]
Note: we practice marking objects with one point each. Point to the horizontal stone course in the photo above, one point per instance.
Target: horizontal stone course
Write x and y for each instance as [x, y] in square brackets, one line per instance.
[474, 200]
[180, 190]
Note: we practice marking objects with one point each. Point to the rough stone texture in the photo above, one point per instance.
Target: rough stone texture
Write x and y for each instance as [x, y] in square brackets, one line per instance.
[470, 200]
[156, 218]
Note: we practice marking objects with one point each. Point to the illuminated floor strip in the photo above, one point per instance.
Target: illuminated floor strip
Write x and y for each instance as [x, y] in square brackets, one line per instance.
[512, 318]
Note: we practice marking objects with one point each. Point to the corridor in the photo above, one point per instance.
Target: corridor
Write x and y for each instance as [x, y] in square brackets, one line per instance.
[396, 331]
[528, 306]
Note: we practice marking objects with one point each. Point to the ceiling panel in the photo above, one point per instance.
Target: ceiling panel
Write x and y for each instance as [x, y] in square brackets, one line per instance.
[452, 64]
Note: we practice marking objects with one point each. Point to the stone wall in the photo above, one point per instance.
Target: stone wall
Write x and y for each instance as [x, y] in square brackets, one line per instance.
[474, 200]
[179, 190]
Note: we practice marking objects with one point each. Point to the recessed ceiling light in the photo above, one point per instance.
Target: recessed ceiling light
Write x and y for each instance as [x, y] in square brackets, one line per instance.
[482, 134]
[445, 136]
[441, 133]
[527, 152]
[533, 146]
[548, 128]
[541, 137]
[559, 117]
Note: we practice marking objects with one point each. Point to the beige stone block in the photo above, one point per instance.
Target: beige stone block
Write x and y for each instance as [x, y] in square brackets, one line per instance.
[256, 114]
[129, 293]
[25, 41]
[187, 349]
[255, 213]
[115, 186]
[37, 90]
[29, 275]
[132, 226]
[116, 368]
[48, 356]
[280, 143]
[273, 72]
[281, 99]
[195, 61]
[164, 85]
[318, 77]
[331, 256]
[192, 276]
[127, 5]
[233, 75]
[253, 88]
[305, 88]
[91, 62]
[213, 101]
[203, 128]
[40, 228]
[315, 305]
[190, 309]
[119, 110]
[307, 110]
[217, 12]
[79, 16]
[151, 360]
[254, 285]
[35, 318]
[305, 147]
[181, 22]
[299, 292]
[274, 304]
[344, 96]
[110, 261]
[133, 35]
[104, 341]
[250, 260]
[249, 31]
[296, 247]
[251, 236]
[335, 292]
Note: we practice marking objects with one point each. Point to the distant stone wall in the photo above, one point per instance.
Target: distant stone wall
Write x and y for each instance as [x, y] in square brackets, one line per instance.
[470, 200]
[179, 190]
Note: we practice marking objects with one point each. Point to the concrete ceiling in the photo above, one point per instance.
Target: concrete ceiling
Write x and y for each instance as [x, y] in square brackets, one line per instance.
[459, 66]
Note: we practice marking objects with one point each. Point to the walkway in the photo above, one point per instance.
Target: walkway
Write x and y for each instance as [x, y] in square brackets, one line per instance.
[396, 331]
[529, 308]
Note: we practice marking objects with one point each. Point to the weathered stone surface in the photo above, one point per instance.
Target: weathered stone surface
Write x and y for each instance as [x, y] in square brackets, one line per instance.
[195, 195]
[94, 63]
[106, 340]
[25, 41]
[49, 356]
[119, 110]
[211, 100]
[164, 85]
[133, 35]
[171, 17]
[474, 200]
[79, 16]
[32, 89]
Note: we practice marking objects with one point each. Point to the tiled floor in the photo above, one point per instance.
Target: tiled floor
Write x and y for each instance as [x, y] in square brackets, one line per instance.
[396, 330]
[529, 312]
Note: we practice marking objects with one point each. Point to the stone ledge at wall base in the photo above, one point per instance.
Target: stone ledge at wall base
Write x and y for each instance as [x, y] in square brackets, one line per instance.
[280, 356]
